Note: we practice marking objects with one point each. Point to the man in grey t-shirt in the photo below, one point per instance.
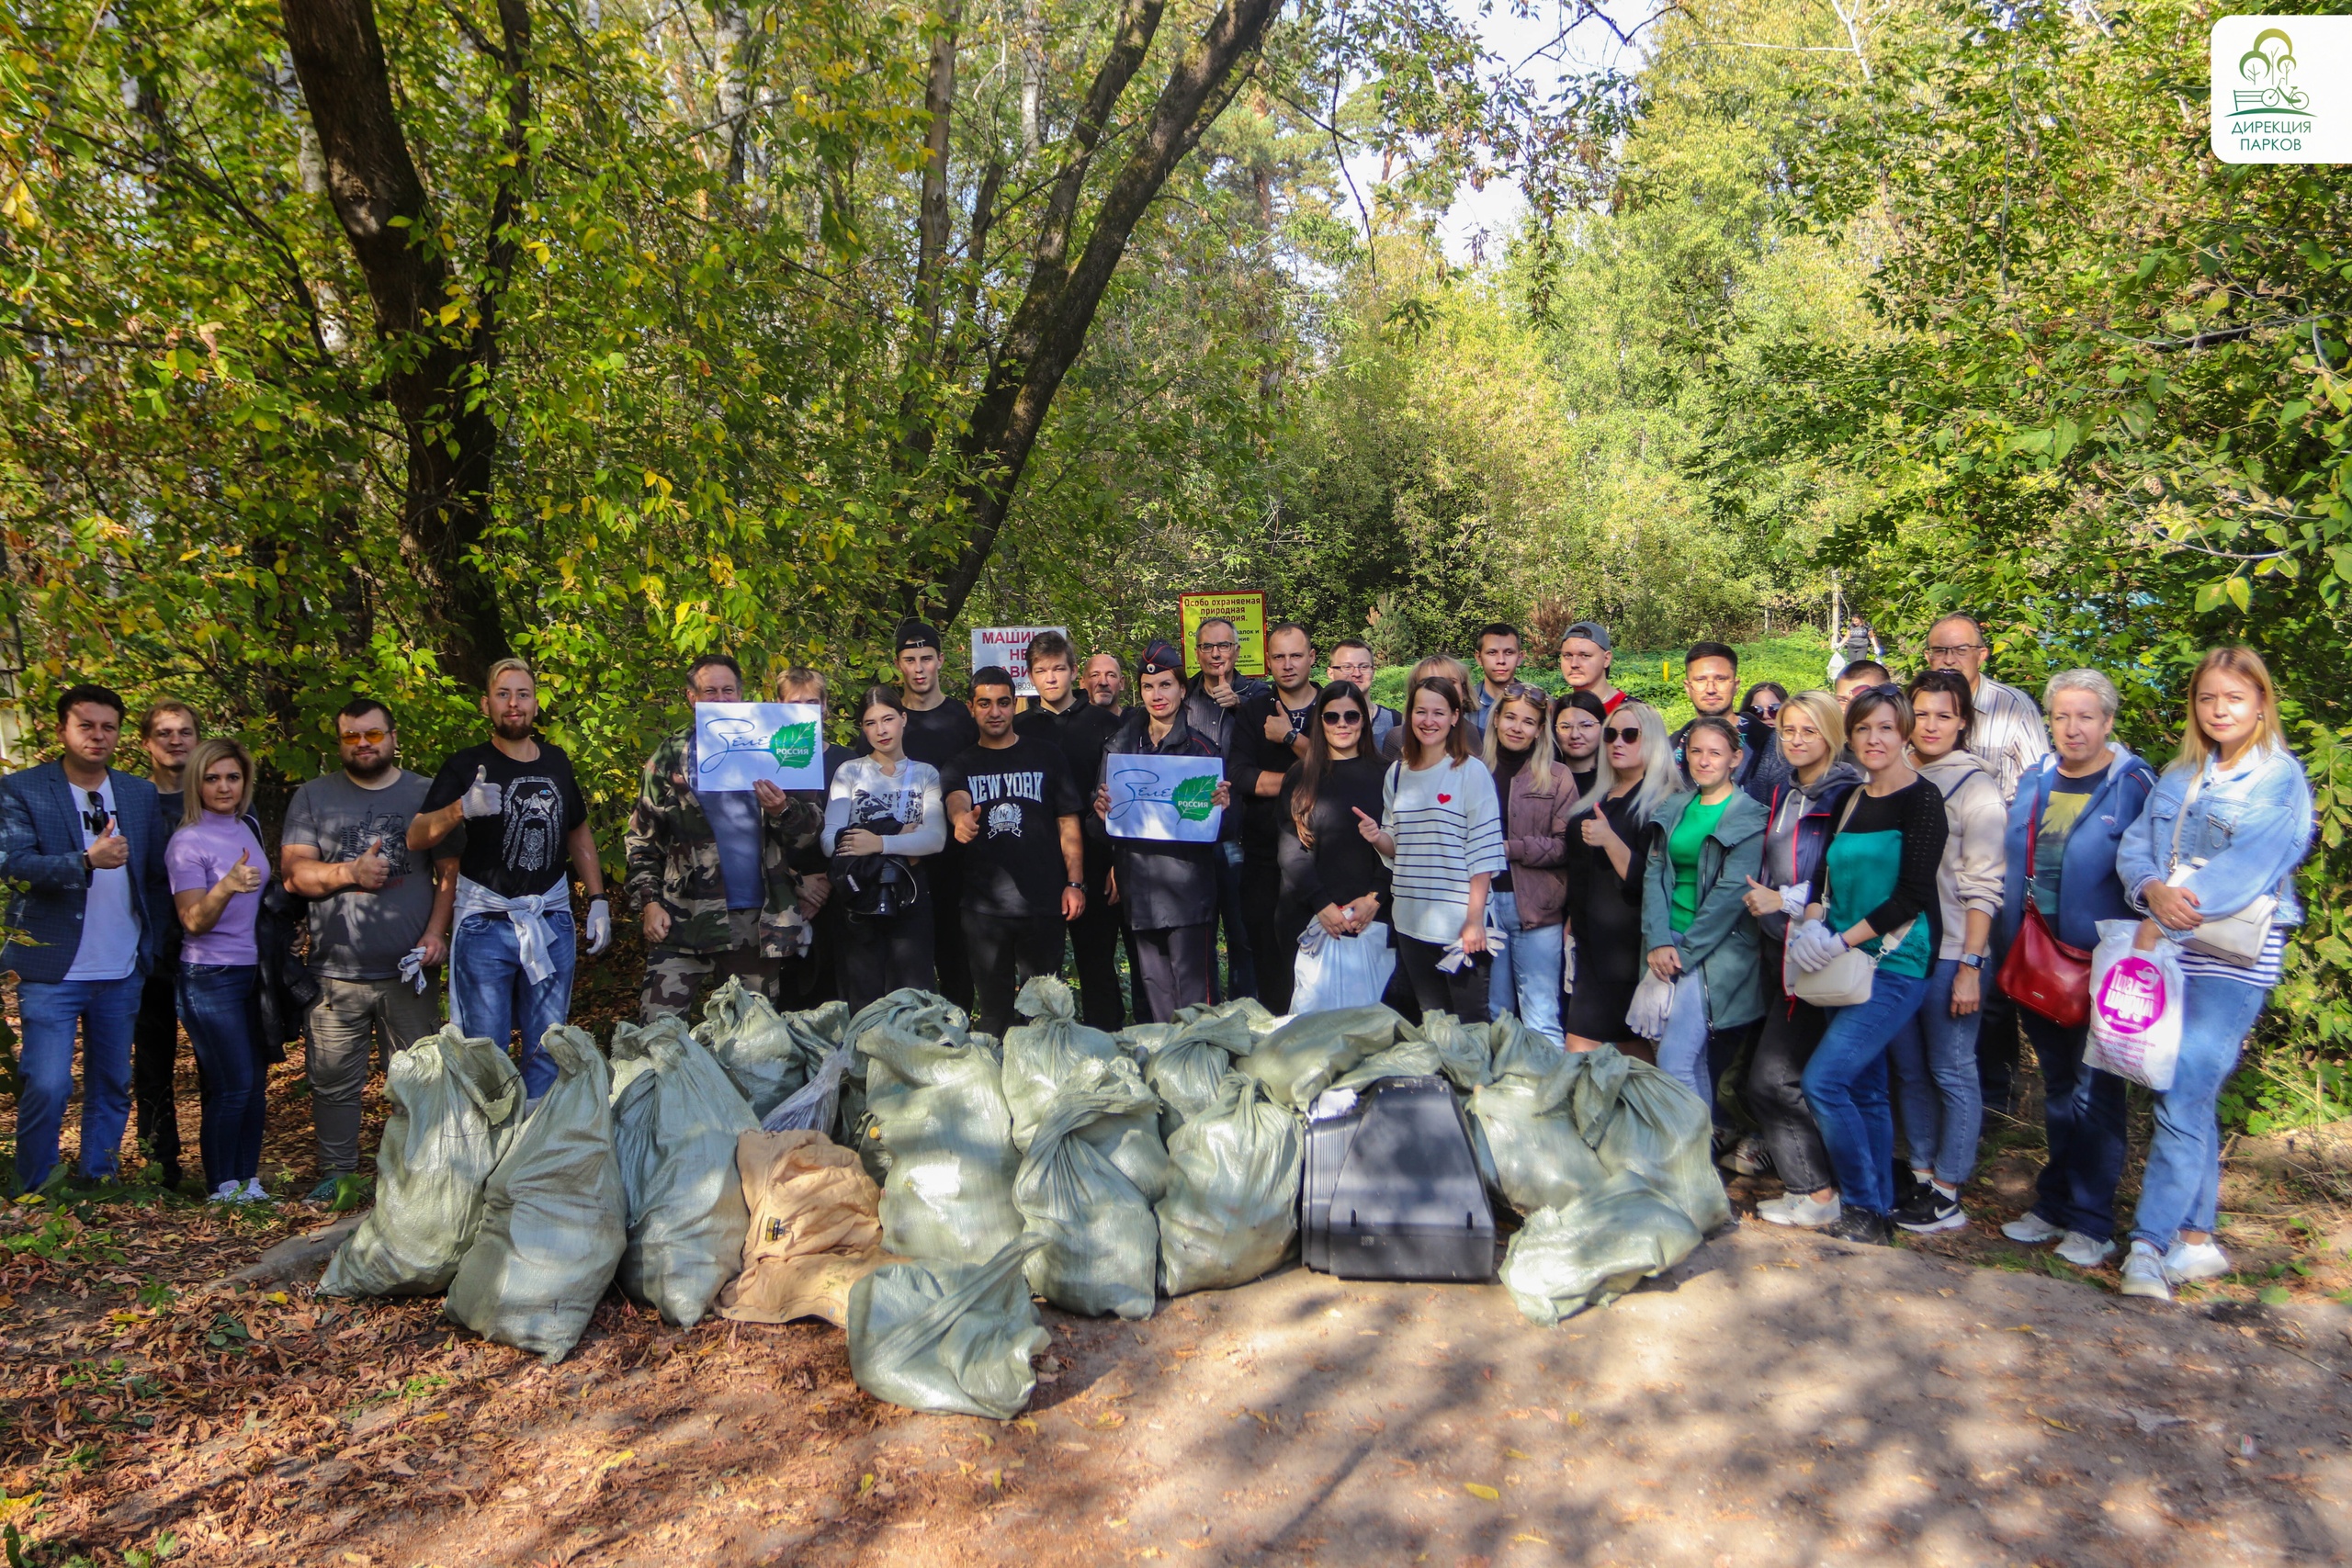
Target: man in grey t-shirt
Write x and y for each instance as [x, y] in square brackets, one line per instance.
[374, 901]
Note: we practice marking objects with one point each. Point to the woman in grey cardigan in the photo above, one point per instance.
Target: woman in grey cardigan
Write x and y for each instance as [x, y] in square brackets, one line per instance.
[1704, 845]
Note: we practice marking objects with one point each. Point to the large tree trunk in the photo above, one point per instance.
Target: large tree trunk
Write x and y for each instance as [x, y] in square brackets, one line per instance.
[1056, 312]
[438, 376]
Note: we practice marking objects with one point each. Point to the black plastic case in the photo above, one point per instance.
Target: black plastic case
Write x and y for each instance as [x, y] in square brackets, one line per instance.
[1391, 1188]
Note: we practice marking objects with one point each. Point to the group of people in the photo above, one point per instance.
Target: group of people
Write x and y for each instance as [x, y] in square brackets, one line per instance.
[1796, 904]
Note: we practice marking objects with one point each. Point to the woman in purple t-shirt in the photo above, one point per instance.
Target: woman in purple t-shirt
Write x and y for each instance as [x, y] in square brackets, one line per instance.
[218, 868]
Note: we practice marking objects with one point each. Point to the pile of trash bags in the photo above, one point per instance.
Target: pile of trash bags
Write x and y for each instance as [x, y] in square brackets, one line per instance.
[916, 1181]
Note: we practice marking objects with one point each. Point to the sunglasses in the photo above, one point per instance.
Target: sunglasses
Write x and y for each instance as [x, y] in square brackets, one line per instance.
[1626, 736]
[1765, 710]
[1341, 715]
[363, 737]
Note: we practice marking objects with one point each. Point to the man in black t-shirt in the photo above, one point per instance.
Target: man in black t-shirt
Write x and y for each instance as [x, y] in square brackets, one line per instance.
[1269, 735]
[1081, 728]
[1014, 807]
[521, 829]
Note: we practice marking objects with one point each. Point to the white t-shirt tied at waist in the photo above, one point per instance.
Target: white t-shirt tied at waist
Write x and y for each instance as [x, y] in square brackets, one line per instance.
[1448, 827]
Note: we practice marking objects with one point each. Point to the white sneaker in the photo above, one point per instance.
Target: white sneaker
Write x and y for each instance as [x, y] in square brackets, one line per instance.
[2032, 1229]
[2143, 1273]
[229, 1192]
[2202, 1261]
[252, 1192]
[1799, 1209]
[2084, 1252]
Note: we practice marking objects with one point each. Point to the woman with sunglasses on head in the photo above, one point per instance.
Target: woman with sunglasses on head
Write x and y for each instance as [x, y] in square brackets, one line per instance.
[1878, 895]
[1761, 766]
[218, 868]
[2212, 861]
[1329, 874]
[1799, 814]
[1537, 796]
[1704, 847]
[1440, 832]
[1934, 1055]
[1604, 879]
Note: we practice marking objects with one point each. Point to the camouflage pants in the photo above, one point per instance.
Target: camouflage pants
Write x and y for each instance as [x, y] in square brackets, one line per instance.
[673, 977]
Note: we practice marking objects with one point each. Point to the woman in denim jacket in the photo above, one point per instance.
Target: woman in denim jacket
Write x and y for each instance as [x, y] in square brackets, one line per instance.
[2236, 805]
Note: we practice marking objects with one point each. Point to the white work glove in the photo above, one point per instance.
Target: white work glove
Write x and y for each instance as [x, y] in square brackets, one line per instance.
[600, 926]
[482, 798]
[1568, 963]
[1794, 897]
[1814, 947]
[412, 968]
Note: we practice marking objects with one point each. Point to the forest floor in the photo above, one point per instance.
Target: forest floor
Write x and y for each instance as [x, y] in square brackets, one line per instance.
[1777, 1398]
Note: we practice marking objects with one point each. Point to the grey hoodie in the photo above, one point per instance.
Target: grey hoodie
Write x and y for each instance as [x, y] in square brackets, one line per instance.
[1975, 856]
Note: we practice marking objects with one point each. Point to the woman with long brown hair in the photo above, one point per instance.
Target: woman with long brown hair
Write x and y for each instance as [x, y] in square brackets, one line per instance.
[1330, 875]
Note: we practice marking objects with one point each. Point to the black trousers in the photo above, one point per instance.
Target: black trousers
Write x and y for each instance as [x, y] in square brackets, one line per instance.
[1997, 1051]
[1094, 948]
[155, 1062]
[1262, 913]
[1462, 993]
[951, 961]
[1174, 964]
[1007, 949]
[1784, 1043]
[878, 956]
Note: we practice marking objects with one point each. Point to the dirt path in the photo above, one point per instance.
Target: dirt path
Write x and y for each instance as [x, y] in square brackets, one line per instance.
[1777, 1399]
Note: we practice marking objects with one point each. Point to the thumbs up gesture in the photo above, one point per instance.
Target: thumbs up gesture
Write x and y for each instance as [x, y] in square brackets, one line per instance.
[483, 798]
[109, 850]
[242, 877]
[372, 870]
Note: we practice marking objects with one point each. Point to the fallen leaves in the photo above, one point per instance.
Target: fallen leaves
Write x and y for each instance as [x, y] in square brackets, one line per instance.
[1483, 1493]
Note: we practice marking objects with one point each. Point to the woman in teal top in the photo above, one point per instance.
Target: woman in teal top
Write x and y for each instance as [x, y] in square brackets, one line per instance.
[1704, 844]
[1879, 879]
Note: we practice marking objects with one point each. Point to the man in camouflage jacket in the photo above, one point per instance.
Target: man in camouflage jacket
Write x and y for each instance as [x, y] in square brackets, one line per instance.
[676, 878]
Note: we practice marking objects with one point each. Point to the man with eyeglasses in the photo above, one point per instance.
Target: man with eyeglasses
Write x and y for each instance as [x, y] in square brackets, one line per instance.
[2007, 733]
[84, 846]
[1352, 662]
[1211, 709]
[710, 872]
[380, 923]
[1270, 737]
[168, 732]
[1585, 657]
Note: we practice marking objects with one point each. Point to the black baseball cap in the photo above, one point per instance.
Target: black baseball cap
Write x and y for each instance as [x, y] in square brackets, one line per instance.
[1592, 631]
[913, 633]
[1161, 656]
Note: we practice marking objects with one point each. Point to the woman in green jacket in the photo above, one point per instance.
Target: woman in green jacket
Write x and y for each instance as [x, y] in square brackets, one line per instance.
[1704, 844]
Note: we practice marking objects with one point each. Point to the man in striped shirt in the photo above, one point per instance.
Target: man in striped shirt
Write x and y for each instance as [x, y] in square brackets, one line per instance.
[2007, 735]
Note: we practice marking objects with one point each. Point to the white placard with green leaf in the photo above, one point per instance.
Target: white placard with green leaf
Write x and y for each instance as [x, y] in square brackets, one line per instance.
[1168, 798]
[739, 744]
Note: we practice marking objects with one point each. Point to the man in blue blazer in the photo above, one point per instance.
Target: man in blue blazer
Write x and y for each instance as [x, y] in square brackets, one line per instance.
[85, 846]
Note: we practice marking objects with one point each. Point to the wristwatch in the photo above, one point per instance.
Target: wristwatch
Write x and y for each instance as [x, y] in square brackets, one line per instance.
[1079, 885]
[1972, 961]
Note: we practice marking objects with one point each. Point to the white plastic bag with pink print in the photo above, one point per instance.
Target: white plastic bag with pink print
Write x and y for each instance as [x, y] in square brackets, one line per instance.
[2137, 1003]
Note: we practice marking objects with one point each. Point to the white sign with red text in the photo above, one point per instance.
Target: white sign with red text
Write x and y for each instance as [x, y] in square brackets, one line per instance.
[1008, 648]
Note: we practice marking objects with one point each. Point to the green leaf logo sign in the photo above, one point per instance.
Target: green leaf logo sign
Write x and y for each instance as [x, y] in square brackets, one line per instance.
[2269, 65]
[793, 745]
[1195, 798]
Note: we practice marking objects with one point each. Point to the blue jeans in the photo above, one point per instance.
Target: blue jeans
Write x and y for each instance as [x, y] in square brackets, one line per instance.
[221, 1007]
[1525, 979]
[1934, 1055]
[106, 1011]
[1846, 1085]
[1241, 968]
[490, 996]
[2182, 1185]
[2082, 1115]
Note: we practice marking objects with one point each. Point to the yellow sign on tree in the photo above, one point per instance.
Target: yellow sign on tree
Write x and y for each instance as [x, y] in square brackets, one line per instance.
[1246, 608]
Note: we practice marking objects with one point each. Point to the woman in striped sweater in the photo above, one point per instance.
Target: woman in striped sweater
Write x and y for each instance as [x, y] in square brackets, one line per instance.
[1441, 832]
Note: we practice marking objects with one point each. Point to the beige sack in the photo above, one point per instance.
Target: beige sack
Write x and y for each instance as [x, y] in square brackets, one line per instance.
[816, 1229]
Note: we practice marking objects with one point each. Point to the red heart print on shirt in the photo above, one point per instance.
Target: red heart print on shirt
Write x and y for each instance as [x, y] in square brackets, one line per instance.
[1445, 799]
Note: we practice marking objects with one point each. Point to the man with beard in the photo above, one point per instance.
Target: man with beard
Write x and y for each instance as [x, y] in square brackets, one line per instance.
[380, 923]
[168, 733]
[521, 829]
